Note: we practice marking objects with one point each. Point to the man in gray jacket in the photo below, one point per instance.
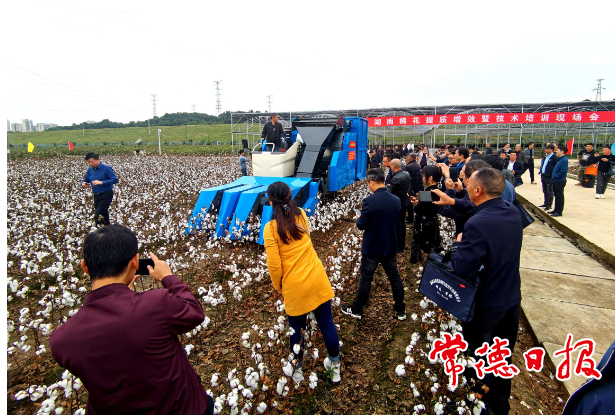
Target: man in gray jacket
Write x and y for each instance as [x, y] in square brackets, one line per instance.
[529, 160]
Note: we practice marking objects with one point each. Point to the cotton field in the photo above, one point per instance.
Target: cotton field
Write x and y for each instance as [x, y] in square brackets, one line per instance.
[241, 350]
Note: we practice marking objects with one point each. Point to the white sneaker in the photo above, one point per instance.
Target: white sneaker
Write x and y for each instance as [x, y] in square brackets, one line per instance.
[298, 376]
[597, 196]
[602, 196]
[333, 369]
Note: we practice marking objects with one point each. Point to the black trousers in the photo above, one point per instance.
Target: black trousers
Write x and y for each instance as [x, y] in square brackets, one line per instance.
[210, 406]
[102, 201]
[483, 328]
[547, 190]
[558, 193]
[401, 229]
[530, 166]
[369, 263]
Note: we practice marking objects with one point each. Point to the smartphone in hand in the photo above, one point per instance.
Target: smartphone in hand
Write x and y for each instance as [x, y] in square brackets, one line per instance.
[425, 196]
[453, 174]
[143, 263]
[358, 212]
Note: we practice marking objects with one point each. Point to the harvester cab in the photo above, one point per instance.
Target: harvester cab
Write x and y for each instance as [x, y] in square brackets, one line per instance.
[325, 155]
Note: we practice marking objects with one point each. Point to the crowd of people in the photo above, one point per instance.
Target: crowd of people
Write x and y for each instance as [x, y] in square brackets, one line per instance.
[123, 343]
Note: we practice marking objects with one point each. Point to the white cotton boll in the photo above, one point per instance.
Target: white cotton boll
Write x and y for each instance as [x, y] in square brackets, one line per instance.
[21, 395]
[247, 393]
[261, 408]
[297, 348]
[416, 393]
[245, 344]
[214, 380]
[234, 383]
[280, 386]
[59, 411]
[414, 317]
[288, 369]
[400, 370]
[409, 360]
[80, 411]
[424, 304]
[245, 336]
[435, 387]
[315, 354]
[188, 349]
[418, 408]
[438, 408]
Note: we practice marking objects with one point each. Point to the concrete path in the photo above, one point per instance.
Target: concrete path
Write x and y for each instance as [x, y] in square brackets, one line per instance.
[588, 221]
[565, 290]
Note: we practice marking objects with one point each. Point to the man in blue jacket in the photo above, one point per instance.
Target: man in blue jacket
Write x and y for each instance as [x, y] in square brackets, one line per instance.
[379, 218]
[546, 170]
[558, 178]
[493, 258]
[100, 178]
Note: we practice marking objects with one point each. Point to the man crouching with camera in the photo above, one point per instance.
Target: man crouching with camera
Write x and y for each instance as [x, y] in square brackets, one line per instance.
[123, 344]
[498, 299]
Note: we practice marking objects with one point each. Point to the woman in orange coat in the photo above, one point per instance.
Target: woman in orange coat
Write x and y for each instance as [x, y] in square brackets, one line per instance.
[297, 273]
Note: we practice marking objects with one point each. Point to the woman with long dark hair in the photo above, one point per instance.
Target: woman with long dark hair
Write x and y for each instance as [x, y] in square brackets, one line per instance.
[297, 273]
[426, 238]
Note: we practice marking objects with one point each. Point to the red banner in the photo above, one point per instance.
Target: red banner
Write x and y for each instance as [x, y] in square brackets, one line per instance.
[494, 118]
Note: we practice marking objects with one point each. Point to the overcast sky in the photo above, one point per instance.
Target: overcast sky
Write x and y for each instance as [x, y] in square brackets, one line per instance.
[72, 61]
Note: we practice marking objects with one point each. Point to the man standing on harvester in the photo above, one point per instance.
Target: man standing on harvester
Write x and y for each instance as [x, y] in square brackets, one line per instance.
[273, 131]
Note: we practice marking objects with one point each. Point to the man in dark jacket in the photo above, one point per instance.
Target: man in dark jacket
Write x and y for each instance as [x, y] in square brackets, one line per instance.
[374, 162]
[100, 178]
[604, 161]
[401, 186]
[488, 149]
[273, 131]
[416, 183]
[546, 169]
[492, 258]
[558, 179]
[515, 167]
[386, 163]
[529, 160]
[380, 213]
[123, 344]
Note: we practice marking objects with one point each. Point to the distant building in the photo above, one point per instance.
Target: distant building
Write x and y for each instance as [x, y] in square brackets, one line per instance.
[8, 126]
[16, 127]
[44, 126]
[27, 125]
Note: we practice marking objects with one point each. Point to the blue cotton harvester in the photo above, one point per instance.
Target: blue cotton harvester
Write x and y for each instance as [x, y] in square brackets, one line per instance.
[325, 156]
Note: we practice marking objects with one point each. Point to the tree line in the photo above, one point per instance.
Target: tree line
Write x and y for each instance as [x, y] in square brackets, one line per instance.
[176, 118]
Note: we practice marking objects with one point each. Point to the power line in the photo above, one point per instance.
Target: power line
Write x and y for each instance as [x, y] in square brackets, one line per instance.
[599, 89]
[218, 103]
[154, 104]
[269, 101]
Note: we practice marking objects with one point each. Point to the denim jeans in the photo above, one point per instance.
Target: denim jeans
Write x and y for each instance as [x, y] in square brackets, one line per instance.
[324, 318]
[369, 263]
[601, 181]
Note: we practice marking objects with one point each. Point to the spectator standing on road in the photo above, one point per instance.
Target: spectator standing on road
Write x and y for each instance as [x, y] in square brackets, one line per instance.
[100, 178]
[585, 157]
[558, 178]
[123, 344]
[298, 274]
[380, 213]
[546, 170]
[426, 238]
[273, 132]
[493, 259]
[605, 164]
[243, 163]
[515, 167]
[401, 186]
[529, 161]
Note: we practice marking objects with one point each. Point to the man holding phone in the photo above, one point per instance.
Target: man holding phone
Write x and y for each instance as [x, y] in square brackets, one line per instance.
[100, 178]
[123, 344]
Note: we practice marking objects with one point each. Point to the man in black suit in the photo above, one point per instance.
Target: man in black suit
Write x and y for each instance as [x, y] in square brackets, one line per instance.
[492, 258]
[516, 167]
[547, 165]
[416, 180]
[380, 214]
[400, 187]
[374, 161]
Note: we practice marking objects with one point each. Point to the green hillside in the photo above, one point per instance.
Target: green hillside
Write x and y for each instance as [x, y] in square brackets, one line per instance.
[196, 133]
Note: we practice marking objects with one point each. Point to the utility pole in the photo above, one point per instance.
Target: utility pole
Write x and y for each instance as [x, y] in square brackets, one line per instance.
[218, 104]
[148, 130]
[269, 102]
[599, 89]
[193, 108]
[154, 103]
